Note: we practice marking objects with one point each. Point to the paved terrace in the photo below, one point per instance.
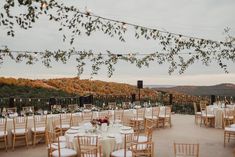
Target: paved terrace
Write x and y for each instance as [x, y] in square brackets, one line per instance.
[183, 129]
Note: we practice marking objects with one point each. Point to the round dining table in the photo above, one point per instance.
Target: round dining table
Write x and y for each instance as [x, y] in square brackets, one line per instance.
[108, 136]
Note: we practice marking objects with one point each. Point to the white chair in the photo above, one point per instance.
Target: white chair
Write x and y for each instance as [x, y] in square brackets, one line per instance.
[3, 132]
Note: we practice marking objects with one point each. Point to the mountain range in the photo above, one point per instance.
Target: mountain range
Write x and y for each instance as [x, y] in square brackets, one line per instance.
[225, 89]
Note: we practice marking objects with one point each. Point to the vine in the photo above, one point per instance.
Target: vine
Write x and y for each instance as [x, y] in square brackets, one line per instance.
[180, 51]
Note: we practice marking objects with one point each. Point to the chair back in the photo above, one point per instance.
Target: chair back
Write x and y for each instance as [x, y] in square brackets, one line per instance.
[11, 110]
[53, 139]
[3, 125]
[87, 106]
[65, 118]
[186, 149]
[129, 139]
[167, 111]
[57, 126]
[141, 149]
[203, 106]
[103, 114]
[118, 115]
[140, 112]
[112, 105]
[56, 108]
[39, 121]
[20, 123]
[155, 112]
[73, 108]
[149, 125]
[28, 109]
[88, 144]
[76, 120]
[87, 116]
[126, 105]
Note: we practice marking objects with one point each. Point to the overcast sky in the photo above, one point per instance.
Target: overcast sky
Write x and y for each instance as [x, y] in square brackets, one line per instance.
[200, 18]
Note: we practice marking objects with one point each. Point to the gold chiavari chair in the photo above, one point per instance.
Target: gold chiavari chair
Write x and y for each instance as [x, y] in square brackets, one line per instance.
[57, 128]
[65, 121]
[165, 117]
[154, 115]
[11, 110]
[228, 117]
[20, 130]
[87, 116]
[103, 114]
[207, 118]
[73, 108]
[197, 115]
[118, 116]
[3, 132]
[56, 108]
[186, 149]
[87, 106]
[126, 105]
[88, 145]
[39, 127]
[28, 110]
[147, 151]
[76, 120]
[229, 131]
[137, 122]
[55, 149]
[112, 105]
[124, 151]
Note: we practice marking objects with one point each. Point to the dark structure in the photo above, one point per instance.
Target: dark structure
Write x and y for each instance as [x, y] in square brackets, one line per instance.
[170, 99]
[11, 102]
[212, 99]
[139, 85]
[86, 100]
[132, 98]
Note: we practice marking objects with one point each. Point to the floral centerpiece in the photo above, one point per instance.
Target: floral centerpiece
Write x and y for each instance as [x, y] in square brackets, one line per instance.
[100, 121]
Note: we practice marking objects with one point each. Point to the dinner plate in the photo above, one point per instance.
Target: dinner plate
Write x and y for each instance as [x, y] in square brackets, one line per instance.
[126, 131]
[111, 135]
[71, 131]
[126, 128]
[75, 127]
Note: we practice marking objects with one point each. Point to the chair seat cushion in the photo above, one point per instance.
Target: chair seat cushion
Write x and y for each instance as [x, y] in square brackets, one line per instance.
[2, 133]
[229, 129]
[64, 152]
[38, 129]
[208, 115]
[137, 119]
[19, 131]
[120, 153]
[64, 126]
[151, 117]
[198, 113]
[164, 116]
[55, 145]
[142, 139]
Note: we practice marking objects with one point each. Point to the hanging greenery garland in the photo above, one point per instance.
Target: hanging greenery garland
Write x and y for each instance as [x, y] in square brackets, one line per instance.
[178, 50]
